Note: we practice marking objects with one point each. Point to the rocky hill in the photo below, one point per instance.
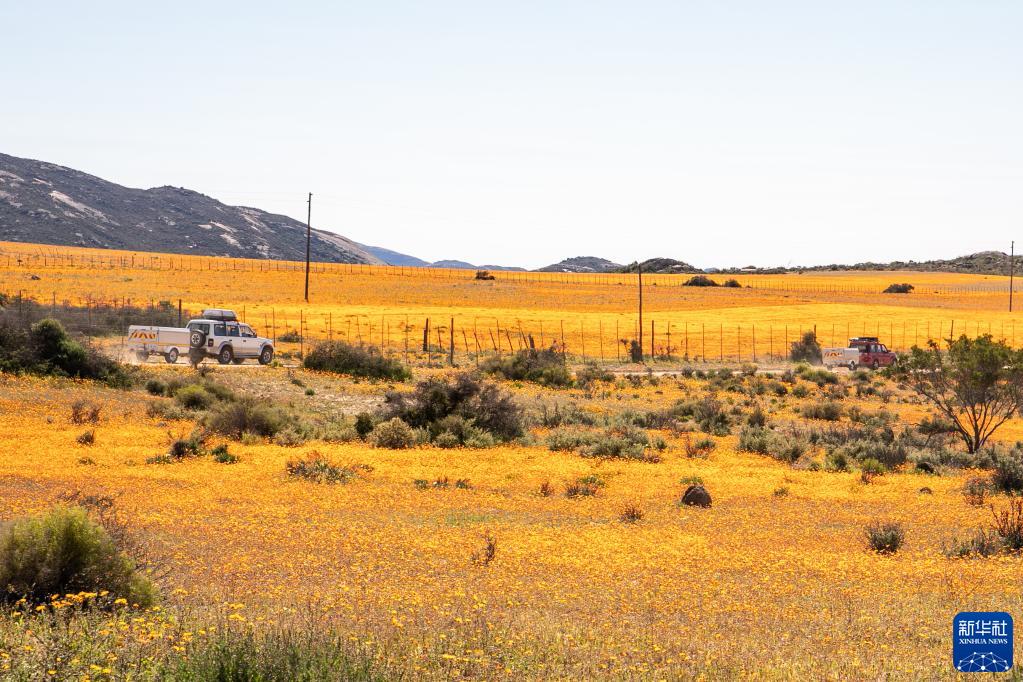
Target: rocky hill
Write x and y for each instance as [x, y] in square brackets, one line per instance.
[49, 204]
[583, 264]
[662, 266]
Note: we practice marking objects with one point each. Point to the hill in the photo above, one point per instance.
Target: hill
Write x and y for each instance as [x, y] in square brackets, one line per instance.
[394, 257]
[583, 264]
[662, 266]
[49, 204]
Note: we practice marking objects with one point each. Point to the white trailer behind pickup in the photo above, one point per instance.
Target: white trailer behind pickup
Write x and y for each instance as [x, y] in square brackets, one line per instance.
[170, 342]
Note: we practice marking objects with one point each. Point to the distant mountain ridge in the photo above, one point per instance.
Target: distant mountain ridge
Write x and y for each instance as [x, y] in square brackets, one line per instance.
[49, 204]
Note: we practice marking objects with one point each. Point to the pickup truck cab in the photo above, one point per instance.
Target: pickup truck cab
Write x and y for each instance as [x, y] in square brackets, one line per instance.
[218, 334]
[863, 351]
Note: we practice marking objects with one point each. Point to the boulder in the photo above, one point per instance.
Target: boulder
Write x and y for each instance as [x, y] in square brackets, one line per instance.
[696, 496]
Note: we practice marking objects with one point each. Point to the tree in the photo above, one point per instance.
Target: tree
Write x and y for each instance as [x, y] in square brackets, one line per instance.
[977, 384]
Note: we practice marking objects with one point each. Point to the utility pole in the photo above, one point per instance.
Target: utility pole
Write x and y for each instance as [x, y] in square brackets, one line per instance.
[308, 239]
[1012, 269]
[639, 269]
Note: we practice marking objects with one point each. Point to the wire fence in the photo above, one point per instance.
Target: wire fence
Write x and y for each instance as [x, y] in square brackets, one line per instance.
[458, 339]
[58, 258]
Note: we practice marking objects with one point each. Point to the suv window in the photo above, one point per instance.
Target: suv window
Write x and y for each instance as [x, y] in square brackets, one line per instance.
[203, 327]
[232, 330]
[247, 332]
[220, 329]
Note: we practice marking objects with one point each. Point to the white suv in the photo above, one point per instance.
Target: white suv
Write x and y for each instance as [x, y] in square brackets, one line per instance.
[218, 334]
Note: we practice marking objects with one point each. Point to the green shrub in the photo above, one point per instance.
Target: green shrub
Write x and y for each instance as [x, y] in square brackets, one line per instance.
[732, 284]
[699, 281]
[319, 469]
[981, 544]
[591, 372]
[885, 538]
[545, 367]
[47, 349]
[569, 439]
[364, 423]
[233, 419]
[1008, 473]
[65, 552]
[903, 288]
[826, 411]
[222, 456]
[194, 397]
[624, 442]
[872, 467]
[393, 434]
[487, 406]
[156, 387]
[275, 656]
[339, 357]
[806, 349]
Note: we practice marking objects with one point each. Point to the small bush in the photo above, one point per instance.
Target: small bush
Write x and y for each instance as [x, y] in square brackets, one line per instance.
[633, 350]
[898, 288]
[64, 551]
[872, 467]
[806, 349]
[781, 491]
[1008, 473]
[339, 357]
[545, 367]
[701, 447]
[700, 281]
[585, 486]
[981, 544]
[87, 437]
[222, 456]
[484, 275]
[1008, 523]
[319, 469]
[545, 489]
[487, 406]
[975, 491]
[591, 372]
[885, 537]
[364, 423]
[156, 387]
[826, 411]
[276, 656]
[289, 437]
[84, 412]
[732, 284]
[393, 434]
[234, 419]
[631, 514]
[194, 397]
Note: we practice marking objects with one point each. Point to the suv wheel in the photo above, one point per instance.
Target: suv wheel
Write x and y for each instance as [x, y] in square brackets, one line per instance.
[266, 355]
[226, 355]
[172, 356]
[852, 366]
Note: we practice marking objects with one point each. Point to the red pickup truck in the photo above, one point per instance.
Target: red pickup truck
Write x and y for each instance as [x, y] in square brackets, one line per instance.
[863, 351]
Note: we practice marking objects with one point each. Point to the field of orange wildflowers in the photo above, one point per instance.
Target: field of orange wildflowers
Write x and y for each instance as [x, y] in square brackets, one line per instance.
[760, 585]
[773, 581]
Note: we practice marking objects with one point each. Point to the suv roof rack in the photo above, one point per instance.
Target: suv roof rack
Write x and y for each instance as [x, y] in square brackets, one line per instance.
[219, 314]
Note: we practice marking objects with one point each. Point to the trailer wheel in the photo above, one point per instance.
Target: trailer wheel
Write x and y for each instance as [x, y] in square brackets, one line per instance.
[226, 355]
[266, 355]
[171, 356]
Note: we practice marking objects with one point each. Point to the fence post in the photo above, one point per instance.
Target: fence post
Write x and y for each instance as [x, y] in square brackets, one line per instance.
[426, 335]
[451, 343]
[179, 312]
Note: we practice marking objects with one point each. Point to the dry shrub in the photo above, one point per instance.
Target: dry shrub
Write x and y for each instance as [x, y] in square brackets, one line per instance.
[485, 555]
[631, 514]
[885, 537]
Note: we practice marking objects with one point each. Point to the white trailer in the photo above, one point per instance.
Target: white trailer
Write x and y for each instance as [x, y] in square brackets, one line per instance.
[170, 342]
[841, 357]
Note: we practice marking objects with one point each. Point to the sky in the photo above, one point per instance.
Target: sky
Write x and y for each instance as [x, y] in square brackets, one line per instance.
[722, 133]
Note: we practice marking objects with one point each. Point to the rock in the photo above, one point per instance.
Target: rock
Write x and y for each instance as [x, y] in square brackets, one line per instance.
[926, 491]
[696, 496]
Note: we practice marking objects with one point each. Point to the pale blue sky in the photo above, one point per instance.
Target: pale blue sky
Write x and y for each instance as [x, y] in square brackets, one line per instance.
[720, 133]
